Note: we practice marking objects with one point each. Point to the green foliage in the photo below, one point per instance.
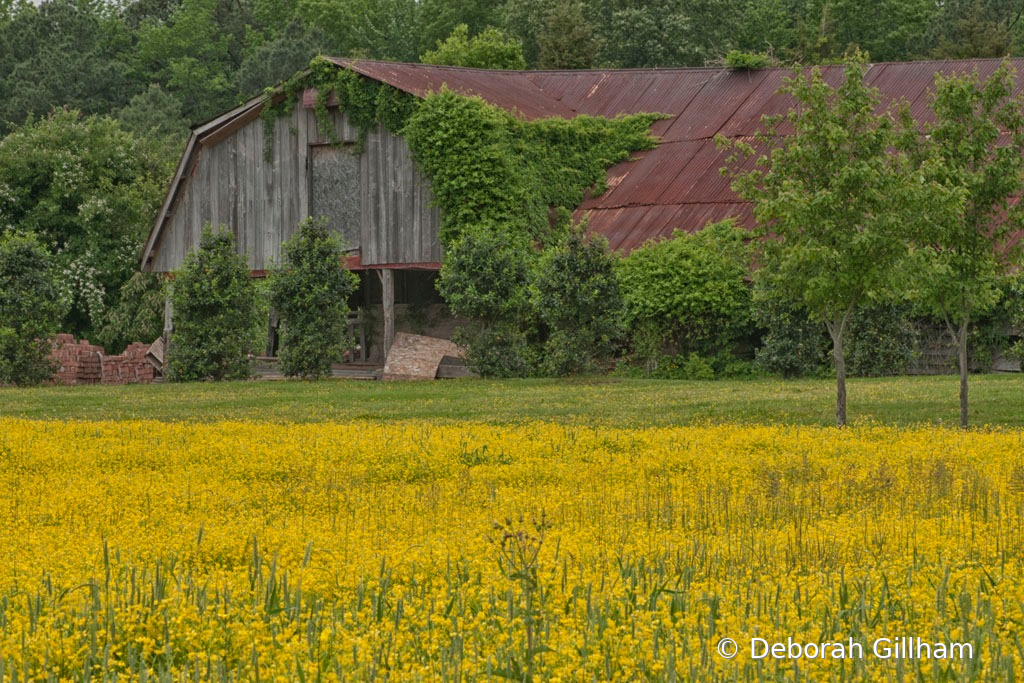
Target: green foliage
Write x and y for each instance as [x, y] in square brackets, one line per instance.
[154, 118]
[310, 292]
[499, 349]
[195, 53]
[1013, 303]
[579, 302]
[793, 345]
[974, 147]
[976, 28]
[89, 191]
[438, 18]
[690, 291]
[138, 315]
[486, 276]
[61, 53]
[841, 201]
[465, 146]
[154, 112]
[490, 49]
[966, 254]
[567, 40]
[275, 60]
[645, 34]
[373, 29]
[884, 339]
[902, 34]
[525, 20]
[213, 302]
[489, 168]
[744, 61]
[31, 307]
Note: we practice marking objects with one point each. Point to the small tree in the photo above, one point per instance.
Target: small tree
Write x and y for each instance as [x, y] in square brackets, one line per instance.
[840, 202]
[486, 278]
[310, 293]
[489, 49]
[213, 302]
[31, 308]
[976, 147]
[578, 299]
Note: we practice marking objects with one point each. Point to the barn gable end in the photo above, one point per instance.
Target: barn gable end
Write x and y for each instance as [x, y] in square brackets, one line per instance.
[228, 178]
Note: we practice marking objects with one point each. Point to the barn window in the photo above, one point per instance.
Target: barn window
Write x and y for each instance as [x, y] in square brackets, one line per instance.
[336, 190]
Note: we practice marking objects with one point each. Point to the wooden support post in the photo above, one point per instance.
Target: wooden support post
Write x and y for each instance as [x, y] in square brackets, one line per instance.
[387, 281]
[272, 323]
[168, 317]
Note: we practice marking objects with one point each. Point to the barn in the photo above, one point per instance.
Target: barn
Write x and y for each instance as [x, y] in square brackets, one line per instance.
[261, 183]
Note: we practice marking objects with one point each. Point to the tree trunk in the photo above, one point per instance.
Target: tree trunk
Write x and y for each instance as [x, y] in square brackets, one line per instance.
[836, 330]
[387, 279]
[837, 355]
[962, 361]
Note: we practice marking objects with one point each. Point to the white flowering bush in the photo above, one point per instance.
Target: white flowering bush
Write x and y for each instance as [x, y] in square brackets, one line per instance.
[89, 191]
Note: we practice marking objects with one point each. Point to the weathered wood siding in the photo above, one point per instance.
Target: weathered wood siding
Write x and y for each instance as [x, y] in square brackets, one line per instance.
[399, 224]
[262, 202]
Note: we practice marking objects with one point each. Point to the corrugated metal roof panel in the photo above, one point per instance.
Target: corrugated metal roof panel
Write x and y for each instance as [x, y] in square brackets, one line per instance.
[645, 179]
[701, 179]
[717, 101]
[569, 88]
[510, 90]
[627, 228]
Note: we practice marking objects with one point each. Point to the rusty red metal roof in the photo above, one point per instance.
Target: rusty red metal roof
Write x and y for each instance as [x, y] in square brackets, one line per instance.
[678, 184]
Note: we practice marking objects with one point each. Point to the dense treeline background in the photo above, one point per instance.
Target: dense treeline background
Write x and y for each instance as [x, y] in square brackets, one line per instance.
[159, 64]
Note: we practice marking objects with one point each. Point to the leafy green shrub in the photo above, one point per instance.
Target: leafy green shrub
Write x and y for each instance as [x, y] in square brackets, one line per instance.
[32, 305]
[992, 333]
[697, 367]
[89, 191]
[486, 278]
[213, 301]
[489, 49]
[690, 291]
[736, 59]
[310, 292]
[793, 345]
[1015, 316]
[578, 300]
[138, 314]
[499, 349]
[883, 340]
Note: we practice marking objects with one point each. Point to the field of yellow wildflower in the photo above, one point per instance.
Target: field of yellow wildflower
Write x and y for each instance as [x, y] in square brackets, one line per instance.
[415, 551]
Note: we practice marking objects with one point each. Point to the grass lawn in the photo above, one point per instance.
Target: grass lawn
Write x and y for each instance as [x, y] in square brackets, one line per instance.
[995, 400]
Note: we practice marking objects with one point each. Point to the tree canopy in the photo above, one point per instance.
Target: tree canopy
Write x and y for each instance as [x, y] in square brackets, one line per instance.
[975, 146]
[838, 201]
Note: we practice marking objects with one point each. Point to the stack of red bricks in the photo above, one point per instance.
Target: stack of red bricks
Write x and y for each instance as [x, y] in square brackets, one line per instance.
[79, 362]
[131, 367]
[84, 363]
